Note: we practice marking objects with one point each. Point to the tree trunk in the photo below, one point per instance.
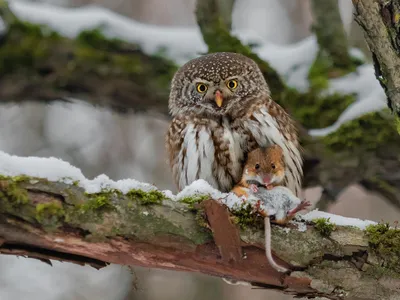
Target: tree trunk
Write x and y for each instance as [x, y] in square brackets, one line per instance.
[380, 22]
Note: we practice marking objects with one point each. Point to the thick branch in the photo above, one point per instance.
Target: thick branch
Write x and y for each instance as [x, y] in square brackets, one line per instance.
[38, 64]
[56, 221]
[380, 22]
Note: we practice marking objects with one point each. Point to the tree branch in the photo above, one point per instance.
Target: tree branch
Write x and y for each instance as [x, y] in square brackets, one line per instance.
[380, 22]
[38, 64]
[55, 221]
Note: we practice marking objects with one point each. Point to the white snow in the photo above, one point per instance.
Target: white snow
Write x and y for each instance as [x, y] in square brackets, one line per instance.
[180, 43]
[370, 97]
[278, 201]
[338, 220]
[57, 170]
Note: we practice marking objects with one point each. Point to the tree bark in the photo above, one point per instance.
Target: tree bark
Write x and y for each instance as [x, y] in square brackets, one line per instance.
[55, 221]
[380, 22]
[333, 57]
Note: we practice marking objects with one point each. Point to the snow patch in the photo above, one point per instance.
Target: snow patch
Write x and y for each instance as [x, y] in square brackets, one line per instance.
[338, 220]
[57, 170]
[180, 43]
[370, 97]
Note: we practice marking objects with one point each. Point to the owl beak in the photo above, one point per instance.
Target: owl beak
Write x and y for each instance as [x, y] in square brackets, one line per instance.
[218, 98]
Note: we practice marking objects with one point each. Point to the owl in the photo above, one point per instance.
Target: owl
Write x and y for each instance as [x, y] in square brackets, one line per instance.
[222, 109]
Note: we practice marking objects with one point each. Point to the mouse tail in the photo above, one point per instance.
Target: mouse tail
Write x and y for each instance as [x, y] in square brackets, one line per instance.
[267, 230]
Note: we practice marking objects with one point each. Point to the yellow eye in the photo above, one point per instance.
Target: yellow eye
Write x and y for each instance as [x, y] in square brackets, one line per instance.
[201, 88]
[232, 84]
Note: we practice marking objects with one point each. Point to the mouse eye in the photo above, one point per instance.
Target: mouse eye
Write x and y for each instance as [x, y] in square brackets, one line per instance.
[273, 166]
[257, 166]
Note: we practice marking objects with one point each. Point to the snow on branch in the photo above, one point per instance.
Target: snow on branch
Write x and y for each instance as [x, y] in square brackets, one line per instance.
[49, 211]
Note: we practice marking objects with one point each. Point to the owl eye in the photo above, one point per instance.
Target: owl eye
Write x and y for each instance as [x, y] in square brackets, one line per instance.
[273, 166]
[257, 166]
[201, 88]
[232, 84]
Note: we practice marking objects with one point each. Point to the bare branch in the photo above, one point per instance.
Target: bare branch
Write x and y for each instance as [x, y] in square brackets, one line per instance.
[55, 221]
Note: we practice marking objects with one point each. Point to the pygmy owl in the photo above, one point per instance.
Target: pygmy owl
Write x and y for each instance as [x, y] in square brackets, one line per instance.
[222, 110]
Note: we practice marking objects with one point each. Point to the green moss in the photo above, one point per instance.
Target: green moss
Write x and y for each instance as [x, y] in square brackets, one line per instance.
[314, 110]
[245, 216]
[146, 198]
[371, 131]
[193, 200]
[93, 209]
[324, 226]
[323, 68]
[397, 120]
[50, 215]
[385, 242]
[26, 45]
[98, 201]
[95, 38]
[9, 190]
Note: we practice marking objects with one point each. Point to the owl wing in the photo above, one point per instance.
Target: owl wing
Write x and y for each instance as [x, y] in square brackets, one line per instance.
[268, 123]
[190, 148]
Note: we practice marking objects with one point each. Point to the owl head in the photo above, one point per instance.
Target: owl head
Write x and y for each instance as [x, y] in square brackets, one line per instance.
[216, 84]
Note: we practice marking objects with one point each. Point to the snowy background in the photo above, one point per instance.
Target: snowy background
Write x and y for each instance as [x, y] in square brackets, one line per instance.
[132, 146]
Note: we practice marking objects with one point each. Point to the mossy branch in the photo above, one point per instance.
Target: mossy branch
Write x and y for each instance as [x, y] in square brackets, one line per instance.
[380, 21]
[39, 64]
[56, 221]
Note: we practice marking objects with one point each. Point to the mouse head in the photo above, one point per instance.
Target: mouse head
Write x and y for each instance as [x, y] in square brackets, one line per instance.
[265, 166]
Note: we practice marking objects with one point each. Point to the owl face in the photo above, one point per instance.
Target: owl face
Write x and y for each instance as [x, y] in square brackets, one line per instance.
[215, 84]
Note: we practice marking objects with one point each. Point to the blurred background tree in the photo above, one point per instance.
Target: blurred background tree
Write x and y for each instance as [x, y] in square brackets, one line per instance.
[92, 87]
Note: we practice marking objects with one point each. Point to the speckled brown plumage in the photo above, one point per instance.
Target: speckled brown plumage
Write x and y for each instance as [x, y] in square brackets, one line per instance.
[210, 142]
